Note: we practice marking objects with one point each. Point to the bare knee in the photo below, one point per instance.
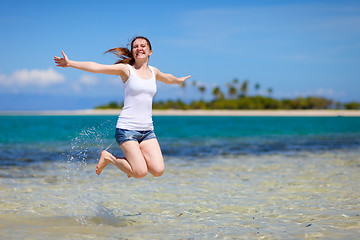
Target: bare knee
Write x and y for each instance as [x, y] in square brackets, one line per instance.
[157, 172]
[140, 173]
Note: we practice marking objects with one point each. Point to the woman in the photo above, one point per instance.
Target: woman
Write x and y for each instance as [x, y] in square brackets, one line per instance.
[134, 128]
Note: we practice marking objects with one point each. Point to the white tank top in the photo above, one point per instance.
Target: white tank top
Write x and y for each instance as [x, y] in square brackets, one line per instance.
[137, 111]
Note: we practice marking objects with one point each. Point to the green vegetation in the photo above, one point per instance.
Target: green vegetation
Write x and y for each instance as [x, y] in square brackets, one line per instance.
[257, 102]
[111, 105]
[238, 99]
[352, 105]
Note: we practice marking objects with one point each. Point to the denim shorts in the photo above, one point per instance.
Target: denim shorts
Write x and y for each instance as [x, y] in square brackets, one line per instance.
[123, 135]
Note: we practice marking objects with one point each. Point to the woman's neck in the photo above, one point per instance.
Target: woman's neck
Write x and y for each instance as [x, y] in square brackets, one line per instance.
[141, 64]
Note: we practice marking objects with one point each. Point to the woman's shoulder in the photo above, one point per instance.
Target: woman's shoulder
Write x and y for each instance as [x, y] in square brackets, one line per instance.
[154, 69]
[123, 65]
[124, 71]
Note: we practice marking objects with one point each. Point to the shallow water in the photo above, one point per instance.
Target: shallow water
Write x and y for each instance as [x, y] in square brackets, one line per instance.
[271, 196]
[282, 188]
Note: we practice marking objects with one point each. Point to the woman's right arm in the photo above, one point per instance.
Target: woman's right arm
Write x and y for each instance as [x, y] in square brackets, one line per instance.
[116, 69]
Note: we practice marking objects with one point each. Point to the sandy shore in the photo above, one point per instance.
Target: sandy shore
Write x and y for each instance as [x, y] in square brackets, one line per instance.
[195, 112]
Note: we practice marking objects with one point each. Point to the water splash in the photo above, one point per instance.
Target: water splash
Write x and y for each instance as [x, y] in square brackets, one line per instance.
[83, 198]
[109, 146]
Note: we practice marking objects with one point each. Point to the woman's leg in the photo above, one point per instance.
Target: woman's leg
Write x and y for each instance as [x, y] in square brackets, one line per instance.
[107, 158]
[133, 164]
[135, 159]
[139, 159]
[152, 153]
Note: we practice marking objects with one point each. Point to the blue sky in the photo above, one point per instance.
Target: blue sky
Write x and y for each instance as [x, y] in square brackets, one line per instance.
[297, 48]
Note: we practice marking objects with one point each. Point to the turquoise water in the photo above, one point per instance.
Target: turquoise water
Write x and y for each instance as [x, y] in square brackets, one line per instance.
[225, 178]
[62, 128]
[44, 138]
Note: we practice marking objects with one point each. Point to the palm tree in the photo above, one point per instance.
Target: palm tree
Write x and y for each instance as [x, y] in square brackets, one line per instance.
[232, 91]
[183, 86]
[270, 90]
[194, 84]
[244, 88]
[202, 91]
[257, 88]
[217, 93]
[236, 85]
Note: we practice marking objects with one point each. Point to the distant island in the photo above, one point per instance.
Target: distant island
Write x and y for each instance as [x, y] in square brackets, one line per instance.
[247, 103]
[236, 98]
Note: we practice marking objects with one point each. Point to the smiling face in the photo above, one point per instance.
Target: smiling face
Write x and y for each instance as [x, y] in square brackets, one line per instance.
[140, 49]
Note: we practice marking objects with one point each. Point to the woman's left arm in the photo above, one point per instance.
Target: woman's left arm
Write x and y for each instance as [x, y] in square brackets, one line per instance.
[169, 78]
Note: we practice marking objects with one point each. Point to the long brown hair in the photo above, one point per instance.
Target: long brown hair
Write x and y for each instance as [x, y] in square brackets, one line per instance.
[125, 54]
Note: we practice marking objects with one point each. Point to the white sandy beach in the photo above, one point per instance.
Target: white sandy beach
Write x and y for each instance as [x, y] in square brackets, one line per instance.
[294, 113]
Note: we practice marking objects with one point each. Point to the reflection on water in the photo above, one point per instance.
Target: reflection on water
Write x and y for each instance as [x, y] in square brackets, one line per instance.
[308, 195]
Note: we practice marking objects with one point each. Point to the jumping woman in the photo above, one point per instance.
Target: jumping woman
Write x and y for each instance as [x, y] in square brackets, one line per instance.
[134, 128]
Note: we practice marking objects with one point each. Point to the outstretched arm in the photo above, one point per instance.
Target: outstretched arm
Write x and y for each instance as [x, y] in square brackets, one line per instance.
[116, 69]
[168, 78]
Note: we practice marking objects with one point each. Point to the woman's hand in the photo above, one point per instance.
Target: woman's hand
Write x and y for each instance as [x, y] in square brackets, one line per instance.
[182, 79]
[62, 62]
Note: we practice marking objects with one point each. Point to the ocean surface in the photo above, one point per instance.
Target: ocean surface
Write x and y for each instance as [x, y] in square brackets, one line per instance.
[225, 178]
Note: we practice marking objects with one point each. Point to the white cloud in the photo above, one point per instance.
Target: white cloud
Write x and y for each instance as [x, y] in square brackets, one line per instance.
[85, 83]
[324, 92]
[76, 87]
[2, 79]
[90, 80]
[114, 81]
[34, 77]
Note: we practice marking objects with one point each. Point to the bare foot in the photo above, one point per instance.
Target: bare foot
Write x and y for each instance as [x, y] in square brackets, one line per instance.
[103, 162]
